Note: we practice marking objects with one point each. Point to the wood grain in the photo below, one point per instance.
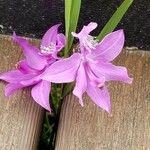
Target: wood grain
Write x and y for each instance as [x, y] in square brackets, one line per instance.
[128, 128]
[20, 116]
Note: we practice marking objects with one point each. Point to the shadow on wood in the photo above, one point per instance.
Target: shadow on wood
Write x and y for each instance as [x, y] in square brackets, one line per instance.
[20, 117]
[90, 128]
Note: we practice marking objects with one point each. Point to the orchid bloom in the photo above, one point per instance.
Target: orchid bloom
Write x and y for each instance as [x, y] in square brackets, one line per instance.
[91, 67]
[36, 62]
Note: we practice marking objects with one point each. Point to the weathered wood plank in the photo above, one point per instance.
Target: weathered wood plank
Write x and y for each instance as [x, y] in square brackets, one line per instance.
[20, 116]
[90, 128]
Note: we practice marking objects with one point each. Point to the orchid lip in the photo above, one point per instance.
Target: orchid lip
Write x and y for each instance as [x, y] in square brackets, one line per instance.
[94, 80]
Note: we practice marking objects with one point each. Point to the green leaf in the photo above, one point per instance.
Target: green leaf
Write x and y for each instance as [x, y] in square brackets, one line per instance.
[72, 11]
[115, 19]
[67, 16]
[55, 97]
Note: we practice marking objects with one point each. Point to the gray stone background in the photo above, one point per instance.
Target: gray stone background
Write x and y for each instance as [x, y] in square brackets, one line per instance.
[32, 18]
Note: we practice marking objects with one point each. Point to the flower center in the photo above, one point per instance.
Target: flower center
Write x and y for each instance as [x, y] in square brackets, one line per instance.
[49, 49]
[90, 42]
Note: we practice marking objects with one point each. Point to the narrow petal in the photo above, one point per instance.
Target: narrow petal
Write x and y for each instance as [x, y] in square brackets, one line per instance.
[33, 59]
[100, 97]
[15, 76]
[40, 93]
[11, 88]
[81, 83]
[111, 72]
[85, 30]
[63, 71]
[110, 47]
[50, 36]
[11, 76]
[18, 39]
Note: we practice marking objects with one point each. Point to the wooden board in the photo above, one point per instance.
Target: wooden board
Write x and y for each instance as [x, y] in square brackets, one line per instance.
[20, 116]
[90, 128]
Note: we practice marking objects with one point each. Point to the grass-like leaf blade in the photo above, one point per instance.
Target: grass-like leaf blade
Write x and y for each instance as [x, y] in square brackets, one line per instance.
[67, 16]
[115, 19]
[71, 19]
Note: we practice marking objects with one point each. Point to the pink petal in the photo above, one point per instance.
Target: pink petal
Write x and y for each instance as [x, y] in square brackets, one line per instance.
[85, 30]
[50, 36]
[40, 93]
[81, 83]
[54, 55]
[15, 76]
[63, 71]
[100, 97]
[34, 60]
[31, 81]
[110, 47]
[93, 79]
[11, 76]
[24, 68]
[111, 72]
[11, 88]
[61, 40]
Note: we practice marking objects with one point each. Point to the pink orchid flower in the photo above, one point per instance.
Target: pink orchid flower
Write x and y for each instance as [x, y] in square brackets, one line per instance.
[36, 62]
[91, 67]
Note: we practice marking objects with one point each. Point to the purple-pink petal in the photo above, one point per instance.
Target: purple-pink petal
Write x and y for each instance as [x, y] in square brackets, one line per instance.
[31, 81]
[40, 93]
[15, 76]
[61, 40]
[100, 97]
[63, 71]
[110, 47]
[111, 72]
[50, 36]
[11, 88]
[81, 83]
[85, 30]
[34, 60]
[11, 76]
[24, 68]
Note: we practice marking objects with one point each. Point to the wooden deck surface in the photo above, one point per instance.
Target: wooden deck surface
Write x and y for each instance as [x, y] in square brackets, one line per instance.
[20, 116]
[87, 128]
[90, 128]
